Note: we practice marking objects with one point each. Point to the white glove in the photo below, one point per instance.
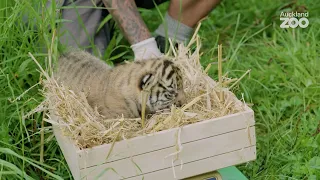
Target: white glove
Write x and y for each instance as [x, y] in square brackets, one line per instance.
[146, 49]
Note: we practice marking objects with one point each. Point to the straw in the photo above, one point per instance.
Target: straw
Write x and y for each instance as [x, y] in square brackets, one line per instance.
[78, 120]
[220, 69]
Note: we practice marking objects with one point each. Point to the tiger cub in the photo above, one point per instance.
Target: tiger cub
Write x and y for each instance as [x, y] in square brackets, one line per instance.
[117, 91]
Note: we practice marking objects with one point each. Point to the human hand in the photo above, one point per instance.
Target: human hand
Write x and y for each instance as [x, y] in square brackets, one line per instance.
[146, 49]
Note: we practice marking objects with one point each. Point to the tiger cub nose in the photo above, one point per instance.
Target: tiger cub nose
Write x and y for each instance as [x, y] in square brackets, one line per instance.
[179, 102]
[180, 98]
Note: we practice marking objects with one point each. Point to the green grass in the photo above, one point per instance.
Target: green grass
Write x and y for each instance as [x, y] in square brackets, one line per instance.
[283, 86]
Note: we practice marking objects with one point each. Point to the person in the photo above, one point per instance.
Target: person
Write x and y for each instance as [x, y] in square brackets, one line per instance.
[82, 26]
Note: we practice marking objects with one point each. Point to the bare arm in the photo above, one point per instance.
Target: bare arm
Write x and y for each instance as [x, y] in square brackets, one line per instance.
[125, 13]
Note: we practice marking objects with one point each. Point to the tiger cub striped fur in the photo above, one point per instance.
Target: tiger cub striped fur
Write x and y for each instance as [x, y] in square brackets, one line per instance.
[117, 91]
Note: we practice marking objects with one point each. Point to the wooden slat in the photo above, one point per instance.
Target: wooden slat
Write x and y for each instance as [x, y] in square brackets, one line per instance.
[69, 152]
[202, 166]
[165, 139]
[192, 151]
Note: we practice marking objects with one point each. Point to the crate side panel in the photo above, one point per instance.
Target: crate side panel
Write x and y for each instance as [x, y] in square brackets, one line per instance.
[192, 151]
[202, 166]
[69, 151]
[165, 139]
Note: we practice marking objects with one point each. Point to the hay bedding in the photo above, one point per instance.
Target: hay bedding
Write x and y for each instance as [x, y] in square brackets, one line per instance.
[78, 120]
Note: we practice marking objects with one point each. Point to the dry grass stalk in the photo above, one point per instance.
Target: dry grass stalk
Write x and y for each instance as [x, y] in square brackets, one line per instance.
[88, 128]
[220, 69]
[42, 140]
[238, 80]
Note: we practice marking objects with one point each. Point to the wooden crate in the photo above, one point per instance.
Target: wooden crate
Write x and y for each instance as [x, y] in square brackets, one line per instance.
[207, 146]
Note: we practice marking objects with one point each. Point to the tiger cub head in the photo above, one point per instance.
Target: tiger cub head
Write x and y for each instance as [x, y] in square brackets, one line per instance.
[164, 86]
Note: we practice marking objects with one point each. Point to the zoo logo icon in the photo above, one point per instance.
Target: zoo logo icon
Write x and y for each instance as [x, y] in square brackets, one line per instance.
[290, 20]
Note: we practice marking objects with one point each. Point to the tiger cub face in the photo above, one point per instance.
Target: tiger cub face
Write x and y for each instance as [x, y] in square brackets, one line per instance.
[165, 87]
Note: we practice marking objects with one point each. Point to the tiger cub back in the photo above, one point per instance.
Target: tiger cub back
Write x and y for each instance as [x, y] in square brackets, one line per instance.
[117, 91]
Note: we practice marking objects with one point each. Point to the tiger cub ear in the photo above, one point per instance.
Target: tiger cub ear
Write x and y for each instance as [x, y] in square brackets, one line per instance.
[146, 80]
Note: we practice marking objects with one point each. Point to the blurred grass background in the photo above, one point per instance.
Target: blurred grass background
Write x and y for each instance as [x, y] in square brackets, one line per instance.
[283, 86]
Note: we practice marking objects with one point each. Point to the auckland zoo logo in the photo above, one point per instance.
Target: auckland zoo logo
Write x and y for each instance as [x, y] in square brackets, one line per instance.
[294, 19]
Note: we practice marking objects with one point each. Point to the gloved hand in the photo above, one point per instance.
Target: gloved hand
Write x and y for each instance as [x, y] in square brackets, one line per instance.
[146, 49]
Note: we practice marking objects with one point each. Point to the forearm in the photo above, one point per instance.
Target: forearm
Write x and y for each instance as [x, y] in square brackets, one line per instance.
[126, 14]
